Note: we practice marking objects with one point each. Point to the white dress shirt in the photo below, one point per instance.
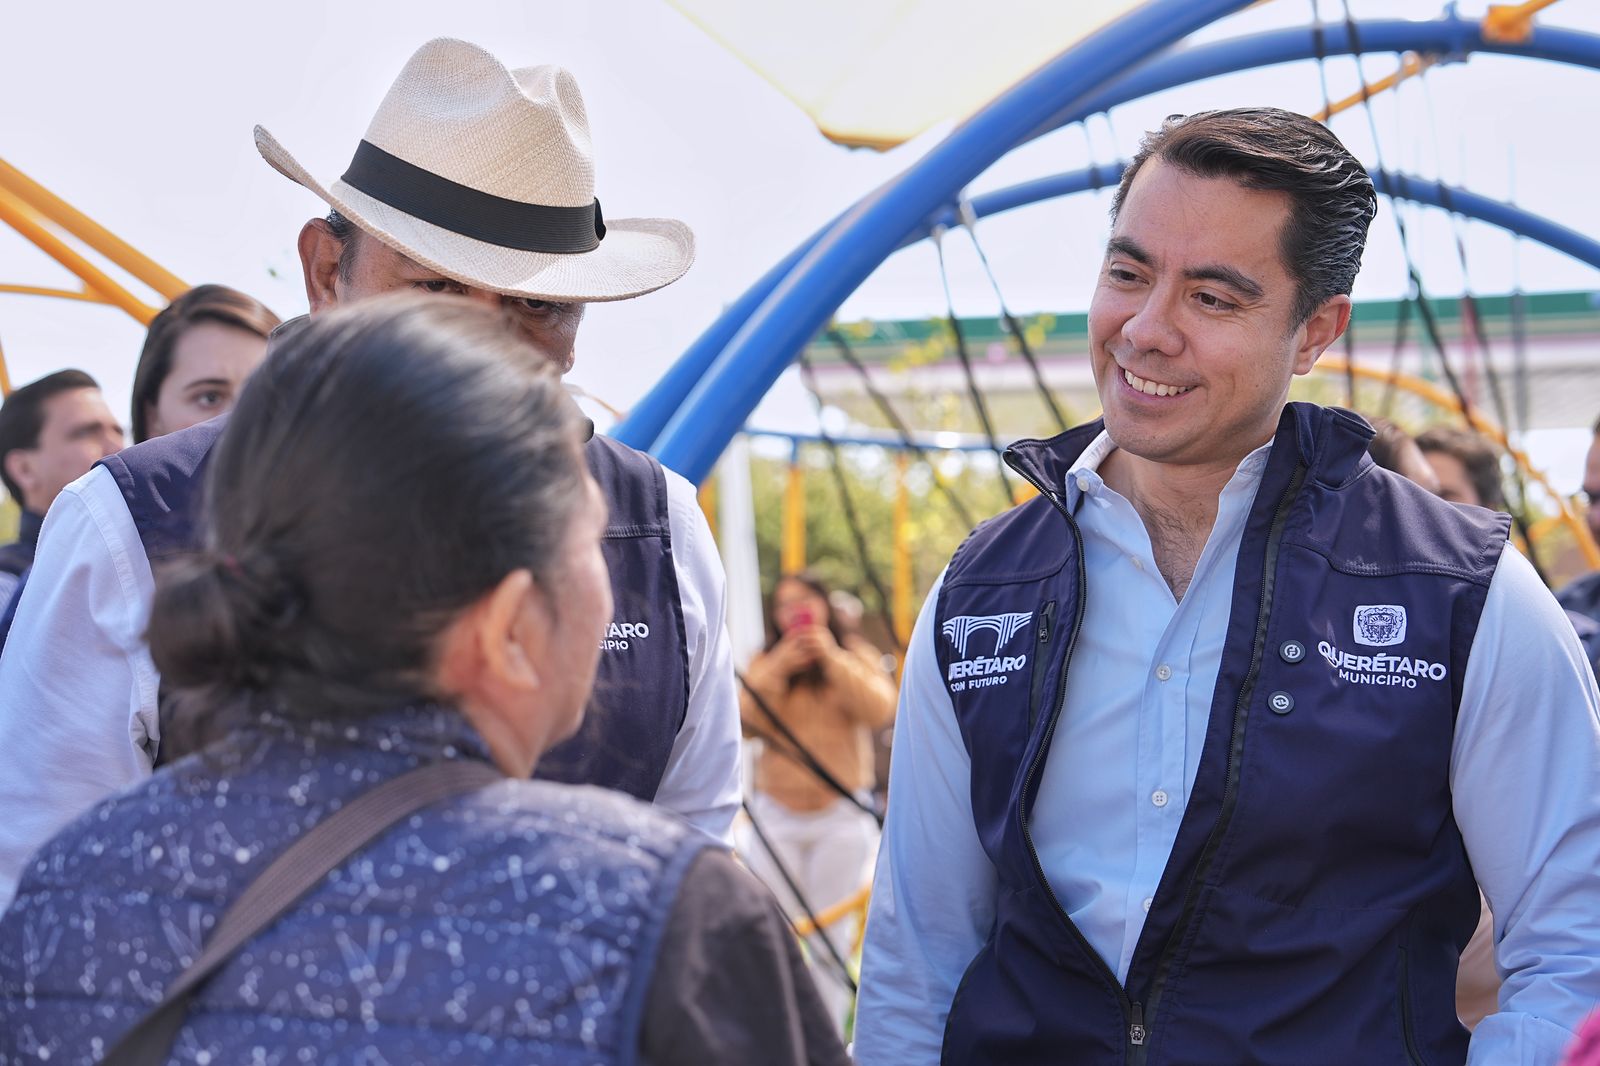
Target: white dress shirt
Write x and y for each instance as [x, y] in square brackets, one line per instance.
[1525, 781]
[78, 691]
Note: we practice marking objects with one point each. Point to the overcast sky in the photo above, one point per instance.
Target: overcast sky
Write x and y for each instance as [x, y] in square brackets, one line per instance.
[140, 114]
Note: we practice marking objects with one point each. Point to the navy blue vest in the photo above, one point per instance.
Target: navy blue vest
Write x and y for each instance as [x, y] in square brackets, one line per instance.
[641, 690]
[1318, 894]
[16, 557]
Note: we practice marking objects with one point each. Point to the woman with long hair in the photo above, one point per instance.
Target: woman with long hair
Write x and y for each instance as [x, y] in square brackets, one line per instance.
[402, 577]
[816, 697]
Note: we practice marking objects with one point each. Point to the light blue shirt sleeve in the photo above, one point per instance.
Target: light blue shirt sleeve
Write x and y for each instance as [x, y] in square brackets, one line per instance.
[1525, 774]
[933, 896]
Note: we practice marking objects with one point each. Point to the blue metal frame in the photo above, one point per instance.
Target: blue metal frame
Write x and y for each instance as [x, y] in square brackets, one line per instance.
[1404, 186]
[841, 260]
[1449, 36]
[886, 442]
[713, 387]
[1456, 37]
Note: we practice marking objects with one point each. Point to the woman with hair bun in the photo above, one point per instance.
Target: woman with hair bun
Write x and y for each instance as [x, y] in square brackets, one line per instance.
[402, 573]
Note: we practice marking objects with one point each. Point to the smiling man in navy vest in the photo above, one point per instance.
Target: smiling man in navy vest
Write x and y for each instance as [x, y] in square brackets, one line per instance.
[1202, 755]
[473, 180]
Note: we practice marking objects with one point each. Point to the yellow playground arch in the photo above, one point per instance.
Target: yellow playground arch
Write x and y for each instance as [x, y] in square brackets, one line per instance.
[52, 225]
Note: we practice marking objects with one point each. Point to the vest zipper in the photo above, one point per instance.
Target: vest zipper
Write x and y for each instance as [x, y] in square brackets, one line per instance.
[1136, 1030]
[1405, 1010]
[1047, 616]
[1230, 785]
[1132, 1015]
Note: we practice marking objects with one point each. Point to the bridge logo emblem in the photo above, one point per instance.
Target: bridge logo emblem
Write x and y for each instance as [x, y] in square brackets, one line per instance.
[960, 629]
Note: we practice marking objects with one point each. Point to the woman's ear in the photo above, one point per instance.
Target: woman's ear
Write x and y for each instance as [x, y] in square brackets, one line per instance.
[487, 653]
[489, 664]
[507, 646]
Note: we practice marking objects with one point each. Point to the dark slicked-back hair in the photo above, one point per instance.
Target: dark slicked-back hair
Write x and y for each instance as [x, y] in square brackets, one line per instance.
[22, 415]
[1332, 201]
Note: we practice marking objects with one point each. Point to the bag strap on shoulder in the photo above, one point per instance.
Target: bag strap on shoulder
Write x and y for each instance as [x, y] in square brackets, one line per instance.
[290, 876]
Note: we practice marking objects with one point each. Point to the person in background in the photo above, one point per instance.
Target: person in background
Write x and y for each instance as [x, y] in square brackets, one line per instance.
[196, 357]
[51, 432]
[1582, 595]
[197, 354]
[1466, 464]
[1477, 981]
[814, 693]
[521, 921]
[1394, 449]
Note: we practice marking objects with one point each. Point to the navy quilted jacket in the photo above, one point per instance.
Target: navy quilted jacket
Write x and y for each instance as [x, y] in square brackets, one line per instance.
[514, 925]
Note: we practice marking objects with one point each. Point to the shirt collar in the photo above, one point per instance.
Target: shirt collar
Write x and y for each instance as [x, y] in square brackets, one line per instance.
[1083, 477]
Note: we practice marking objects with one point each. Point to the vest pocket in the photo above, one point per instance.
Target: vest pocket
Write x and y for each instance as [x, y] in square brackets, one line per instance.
[1412, 1055]
[1045, 632]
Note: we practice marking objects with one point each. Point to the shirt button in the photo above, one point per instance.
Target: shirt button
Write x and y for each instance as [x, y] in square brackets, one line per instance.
[1280, 702]
[1084, 484]
[1159, 797]
[1292, 651]
[1147, 902]
[1163, 672]
[1138, 563]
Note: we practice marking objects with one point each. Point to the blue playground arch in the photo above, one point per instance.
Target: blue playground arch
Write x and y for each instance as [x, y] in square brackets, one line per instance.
[697, 407]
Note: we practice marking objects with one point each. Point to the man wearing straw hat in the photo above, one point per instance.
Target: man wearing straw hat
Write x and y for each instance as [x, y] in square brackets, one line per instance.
[475, 180]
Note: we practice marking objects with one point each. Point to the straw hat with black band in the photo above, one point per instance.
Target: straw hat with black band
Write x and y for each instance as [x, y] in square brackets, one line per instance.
[486, 175]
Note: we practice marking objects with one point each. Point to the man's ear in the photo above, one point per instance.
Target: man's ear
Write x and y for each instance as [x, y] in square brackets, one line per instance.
[19, 468]
[320, 252]
[1326, 325]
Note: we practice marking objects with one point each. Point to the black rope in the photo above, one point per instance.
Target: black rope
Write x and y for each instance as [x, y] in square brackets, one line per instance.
[1418, 292]
[889, 413]
[969, 223]
[1469, 305]
[973, 391]
[1350, 361]
[1319, 43]
[1480, 333]
[811, 915]
[1519, 349]
[804, 755]
[1425, 310]
[1519, 352]
[852, 520]
[1402, 324]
